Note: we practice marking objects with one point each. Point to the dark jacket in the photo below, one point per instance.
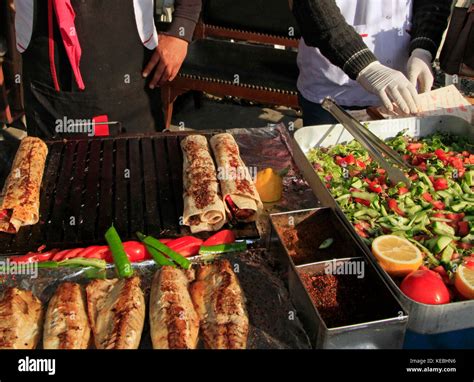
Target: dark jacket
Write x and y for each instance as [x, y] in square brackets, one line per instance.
[323, 26]
[185, 17]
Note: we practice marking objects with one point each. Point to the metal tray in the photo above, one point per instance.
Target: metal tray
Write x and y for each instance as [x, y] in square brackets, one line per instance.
[423, 319]
[373, 334]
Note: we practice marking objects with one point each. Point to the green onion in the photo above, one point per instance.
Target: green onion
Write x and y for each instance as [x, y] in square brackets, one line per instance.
[84, 262]
[122, 263]
[155, 244]
[223, 248]
[326, 243]
[48, 264]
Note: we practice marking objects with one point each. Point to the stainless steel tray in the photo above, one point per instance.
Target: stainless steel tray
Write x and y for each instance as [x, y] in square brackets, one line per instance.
[375, 333]
[423, 319]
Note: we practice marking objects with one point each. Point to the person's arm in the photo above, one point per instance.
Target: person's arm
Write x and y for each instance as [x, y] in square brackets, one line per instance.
[185, 18]
[430, 19]
[173, 43]
[323, 26]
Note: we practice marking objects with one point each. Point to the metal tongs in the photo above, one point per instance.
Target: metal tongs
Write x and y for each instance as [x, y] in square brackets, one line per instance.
[371, 143]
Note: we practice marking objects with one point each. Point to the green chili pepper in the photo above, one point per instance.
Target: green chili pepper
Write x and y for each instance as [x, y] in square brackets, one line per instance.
[122, 263]
[158, 246]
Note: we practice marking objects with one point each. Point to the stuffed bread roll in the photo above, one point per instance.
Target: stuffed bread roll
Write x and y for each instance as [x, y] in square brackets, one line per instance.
[240, 196]
[19, 200]
[203, 206]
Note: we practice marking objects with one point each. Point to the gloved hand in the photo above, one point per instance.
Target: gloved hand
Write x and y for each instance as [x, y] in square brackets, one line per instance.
[419, 70]
[390, 85]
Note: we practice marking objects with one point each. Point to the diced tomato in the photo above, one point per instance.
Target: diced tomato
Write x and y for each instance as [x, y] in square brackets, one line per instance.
[440, 184]
[414, 176]
[344, 161]
[393, 205]
[438, 205]
[402, 190]
[427, 196]
[362, 201]
[225, 236]
[471, 159]
[469, 264]
[414, 147]
[381, 171]
[463, 245]
[439, 215]
[463, 228]
[456, 163]
[360, 230]
[441, 154]
[466, 154]
[374, 186]
[454, 216]
[360, 164]
[350, 159]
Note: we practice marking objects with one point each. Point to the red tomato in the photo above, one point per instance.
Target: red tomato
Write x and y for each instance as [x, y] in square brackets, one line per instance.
[463, 228]
[226, 236]
[425, 286]
[414, 147]
[441, 154]
[427, 196]
[453, 216]
[456, 163]
[402, 190]
[393, 205]
[469, 264]
[362, 201]
[360, 164]
[374, 186]
[440, 184]
[438, 205]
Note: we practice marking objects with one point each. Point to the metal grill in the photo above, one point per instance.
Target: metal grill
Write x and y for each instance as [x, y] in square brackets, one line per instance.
[133, 182]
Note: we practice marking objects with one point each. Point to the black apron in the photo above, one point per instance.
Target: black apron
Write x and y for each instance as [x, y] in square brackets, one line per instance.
[112, 61]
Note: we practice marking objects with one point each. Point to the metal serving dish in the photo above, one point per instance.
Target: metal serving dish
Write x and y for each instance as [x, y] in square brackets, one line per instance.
[373, 331]
[423, 319]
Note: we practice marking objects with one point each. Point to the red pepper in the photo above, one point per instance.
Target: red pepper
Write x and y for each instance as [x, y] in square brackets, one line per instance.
[33, 257]
[440, 184]
[60, 255]
[76, 252]
[164, 241]
[226, 236]
[463, 228]
[186, 246]
[402, 190]
[88, 251]
[362, 201]
[393, 205]
[438, 205]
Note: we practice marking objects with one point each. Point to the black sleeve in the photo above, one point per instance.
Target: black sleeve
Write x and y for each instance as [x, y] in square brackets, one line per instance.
[323, 26]
[185, 16]
[430, 19]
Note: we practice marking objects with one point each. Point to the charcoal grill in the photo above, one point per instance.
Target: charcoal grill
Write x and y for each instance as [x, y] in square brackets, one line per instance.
[134, 182]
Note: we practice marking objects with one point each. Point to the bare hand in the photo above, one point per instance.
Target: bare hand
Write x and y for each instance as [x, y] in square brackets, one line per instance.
[166, 60]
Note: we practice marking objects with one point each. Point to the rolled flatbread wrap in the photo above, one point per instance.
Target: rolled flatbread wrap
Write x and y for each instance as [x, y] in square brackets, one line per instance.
[239, 194]
[19, 200]
[203, 206]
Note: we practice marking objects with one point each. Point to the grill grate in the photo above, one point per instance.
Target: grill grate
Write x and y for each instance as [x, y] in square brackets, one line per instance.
[134, 182]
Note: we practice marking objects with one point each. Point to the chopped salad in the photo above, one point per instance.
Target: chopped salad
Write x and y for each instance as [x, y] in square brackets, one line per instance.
[436, 213]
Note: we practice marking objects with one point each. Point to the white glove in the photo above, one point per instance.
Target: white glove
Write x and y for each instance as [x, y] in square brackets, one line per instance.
[390, 85]
[419, 70]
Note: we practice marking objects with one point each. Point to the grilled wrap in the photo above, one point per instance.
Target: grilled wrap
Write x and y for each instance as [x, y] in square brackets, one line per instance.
[203, 206]
[239, 194]
[19, 200]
